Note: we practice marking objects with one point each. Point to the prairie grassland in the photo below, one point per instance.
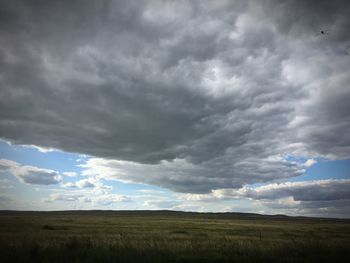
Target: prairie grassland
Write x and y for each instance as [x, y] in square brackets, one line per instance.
[169, 237]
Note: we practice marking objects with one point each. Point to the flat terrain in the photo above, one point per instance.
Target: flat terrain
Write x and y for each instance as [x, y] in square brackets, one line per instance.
[164, 236]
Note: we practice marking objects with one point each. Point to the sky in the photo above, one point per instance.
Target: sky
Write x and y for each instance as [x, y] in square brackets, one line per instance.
[219, 106]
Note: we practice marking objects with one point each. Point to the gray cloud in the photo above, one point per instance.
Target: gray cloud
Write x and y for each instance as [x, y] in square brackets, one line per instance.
[30, 174]
[182, 176]
[334, 208]
[329, 198]
[317, 190]
[66, 197]
[224, 88]
[321, 190]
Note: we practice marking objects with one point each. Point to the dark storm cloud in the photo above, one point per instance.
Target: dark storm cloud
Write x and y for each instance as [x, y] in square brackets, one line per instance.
[225, 88]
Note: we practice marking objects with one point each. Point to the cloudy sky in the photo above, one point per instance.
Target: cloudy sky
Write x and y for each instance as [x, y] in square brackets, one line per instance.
[239, 106]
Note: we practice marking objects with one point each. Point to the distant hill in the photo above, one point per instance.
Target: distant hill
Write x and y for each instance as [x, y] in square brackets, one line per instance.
[170, 213]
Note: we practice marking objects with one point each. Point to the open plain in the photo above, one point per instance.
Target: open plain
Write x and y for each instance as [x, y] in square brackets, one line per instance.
[168, 236]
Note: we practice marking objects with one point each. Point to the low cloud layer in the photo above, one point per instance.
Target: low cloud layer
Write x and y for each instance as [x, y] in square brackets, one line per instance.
[321, 190]
[95, 200]
[188, 95]
[182, 176]
[327, 198]
[318, 190]
[30, 174]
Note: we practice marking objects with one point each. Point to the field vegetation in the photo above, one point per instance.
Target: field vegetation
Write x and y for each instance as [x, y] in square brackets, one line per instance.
[164, 236]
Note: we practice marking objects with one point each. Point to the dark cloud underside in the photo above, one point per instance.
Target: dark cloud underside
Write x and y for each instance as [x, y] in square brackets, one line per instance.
[228, 87]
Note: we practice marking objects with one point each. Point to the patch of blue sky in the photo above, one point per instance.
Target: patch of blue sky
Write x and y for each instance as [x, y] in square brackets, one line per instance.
[54, 160]
[326, 169]
[62, 162]
[323, 169]
[68, 162]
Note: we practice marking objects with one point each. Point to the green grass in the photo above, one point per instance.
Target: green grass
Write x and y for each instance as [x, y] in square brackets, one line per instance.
[169, 237]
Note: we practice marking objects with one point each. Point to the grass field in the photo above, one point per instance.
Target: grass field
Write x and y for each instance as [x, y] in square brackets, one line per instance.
[144, 236]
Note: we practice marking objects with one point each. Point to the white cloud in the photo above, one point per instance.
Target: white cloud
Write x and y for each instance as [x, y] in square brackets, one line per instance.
[310, 163]
[92, 183]
[42, 149]
[84, 183]
[70, 174]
